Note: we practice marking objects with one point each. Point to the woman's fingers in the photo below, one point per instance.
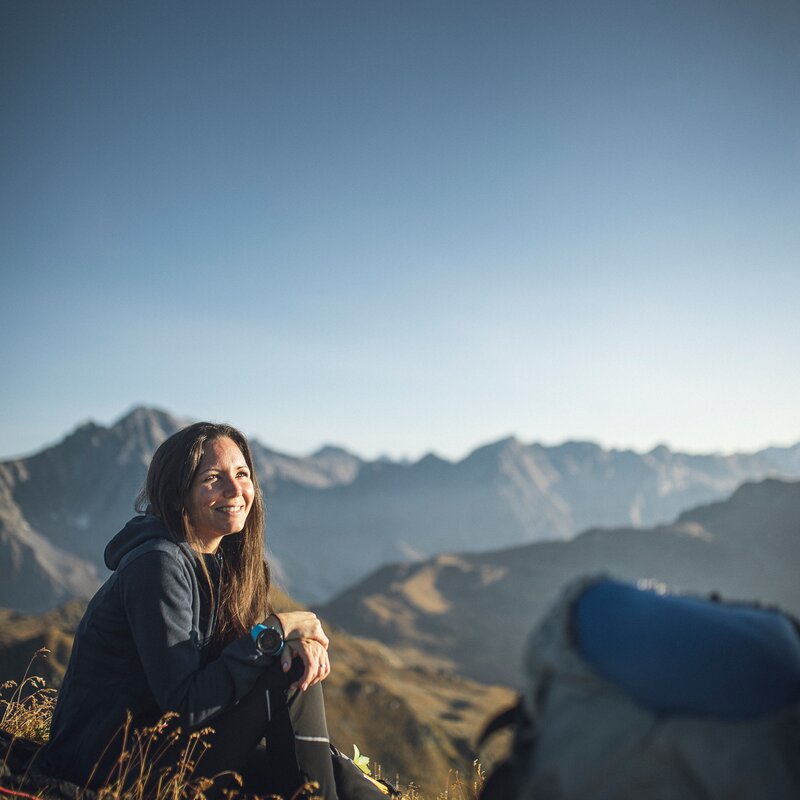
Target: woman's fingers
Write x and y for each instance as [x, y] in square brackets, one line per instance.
[324, 667]
[301, 649]
[286, 657]
[314, 657]
[304, 639]
[295, 650]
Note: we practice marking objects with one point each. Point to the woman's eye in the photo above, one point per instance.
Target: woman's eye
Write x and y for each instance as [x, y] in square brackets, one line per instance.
[244, 474]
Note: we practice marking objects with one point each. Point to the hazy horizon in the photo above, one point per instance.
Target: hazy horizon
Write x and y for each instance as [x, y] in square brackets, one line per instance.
[403, 227]
[377, 454]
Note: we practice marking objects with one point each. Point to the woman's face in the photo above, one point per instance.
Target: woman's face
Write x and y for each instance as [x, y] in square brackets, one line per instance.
[221, 494]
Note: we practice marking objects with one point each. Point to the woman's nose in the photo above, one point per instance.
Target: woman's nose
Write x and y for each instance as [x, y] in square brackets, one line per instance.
[231, 486]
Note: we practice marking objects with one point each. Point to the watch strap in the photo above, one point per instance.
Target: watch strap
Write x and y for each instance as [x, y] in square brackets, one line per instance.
[256, 629]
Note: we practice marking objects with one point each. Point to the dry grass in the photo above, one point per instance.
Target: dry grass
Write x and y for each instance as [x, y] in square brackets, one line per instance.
[29, 705]
[468, 788]
[141, 772]
[457, 788]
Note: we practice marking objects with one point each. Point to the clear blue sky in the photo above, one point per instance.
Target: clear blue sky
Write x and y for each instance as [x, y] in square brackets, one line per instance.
[403, 226]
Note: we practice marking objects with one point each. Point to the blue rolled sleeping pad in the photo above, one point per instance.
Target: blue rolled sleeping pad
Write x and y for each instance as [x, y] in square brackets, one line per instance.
[682, 655]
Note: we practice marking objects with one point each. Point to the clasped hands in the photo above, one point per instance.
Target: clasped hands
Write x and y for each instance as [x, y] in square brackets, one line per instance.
[303, 637]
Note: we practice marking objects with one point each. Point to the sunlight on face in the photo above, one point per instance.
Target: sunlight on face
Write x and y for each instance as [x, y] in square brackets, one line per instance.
[221, 494]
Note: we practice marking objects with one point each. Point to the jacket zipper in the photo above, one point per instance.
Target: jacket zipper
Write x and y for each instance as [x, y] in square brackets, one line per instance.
[215, 604]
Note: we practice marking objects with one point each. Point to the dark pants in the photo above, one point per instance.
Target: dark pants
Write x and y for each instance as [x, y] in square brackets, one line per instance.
[277, 740]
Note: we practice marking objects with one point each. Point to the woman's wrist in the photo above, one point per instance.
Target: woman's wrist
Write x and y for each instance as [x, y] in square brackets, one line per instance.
[274, 621]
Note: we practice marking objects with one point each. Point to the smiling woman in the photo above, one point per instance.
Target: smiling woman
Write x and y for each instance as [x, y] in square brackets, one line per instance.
[221, 494]
[184, 624]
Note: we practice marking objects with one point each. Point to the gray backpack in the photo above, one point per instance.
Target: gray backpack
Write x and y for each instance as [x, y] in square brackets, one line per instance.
[635, 694]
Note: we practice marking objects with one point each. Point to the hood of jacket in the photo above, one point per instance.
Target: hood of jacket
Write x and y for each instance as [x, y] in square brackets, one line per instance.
[136, 531]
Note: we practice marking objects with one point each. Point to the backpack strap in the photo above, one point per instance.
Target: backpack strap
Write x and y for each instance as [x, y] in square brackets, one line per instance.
[508, 718]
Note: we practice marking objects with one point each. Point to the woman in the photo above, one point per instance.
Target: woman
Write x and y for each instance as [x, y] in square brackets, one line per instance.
[184, 624]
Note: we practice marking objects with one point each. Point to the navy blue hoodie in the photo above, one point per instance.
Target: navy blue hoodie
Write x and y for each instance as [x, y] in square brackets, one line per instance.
[143, 646]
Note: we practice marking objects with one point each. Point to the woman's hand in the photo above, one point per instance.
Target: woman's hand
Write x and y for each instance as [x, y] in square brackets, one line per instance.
[313, 655]
[302, 625]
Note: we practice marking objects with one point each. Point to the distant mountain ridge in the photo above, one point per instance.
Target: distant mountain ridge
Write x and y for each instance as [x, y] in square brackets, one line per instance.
[472, 611]
[333, 517]
[502, 494]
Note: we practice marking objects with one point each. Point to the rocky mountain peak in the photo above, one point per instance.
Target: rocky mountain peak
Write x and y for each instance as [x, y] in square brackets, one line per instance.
[333, 451]
[147, 425]
[494, 451]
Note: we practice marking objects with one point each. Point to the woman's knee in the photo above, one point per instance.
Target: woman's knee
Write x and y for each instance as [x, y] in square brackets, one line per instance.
[307, 714]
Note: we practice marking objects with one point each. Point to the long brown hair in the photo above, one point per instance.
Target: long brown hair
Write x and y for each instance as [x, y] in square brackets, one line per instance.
[244, 589]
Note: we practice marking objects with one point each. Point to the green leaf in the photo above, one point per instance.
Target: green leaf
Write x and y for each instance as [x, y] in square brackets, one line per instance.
[362, 762]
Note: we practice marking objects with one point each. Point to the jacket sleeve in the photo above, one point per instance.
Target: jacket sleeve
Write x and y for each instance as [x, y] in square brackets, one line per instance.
[156, 592]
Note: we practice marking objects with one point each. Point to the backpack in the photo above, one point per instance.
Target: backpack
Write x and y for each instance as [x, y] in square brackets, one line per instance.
[632, 692]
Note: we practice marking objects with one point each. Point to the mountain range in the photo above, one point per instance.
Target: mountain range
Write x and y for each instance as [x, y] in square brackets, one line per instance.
[333, 517]
[473, 611]
[486, 543]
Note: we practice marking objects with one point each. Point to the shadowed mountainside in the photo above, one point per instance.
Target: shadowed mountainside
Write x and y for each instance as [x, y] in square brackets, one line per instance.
[333, 517]
[59, 505]
[472, 612]
[418, 722]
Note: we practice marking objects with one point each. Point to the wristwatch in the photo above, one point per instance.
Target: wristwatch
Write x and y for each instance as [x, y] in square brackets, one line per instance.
[268, 640]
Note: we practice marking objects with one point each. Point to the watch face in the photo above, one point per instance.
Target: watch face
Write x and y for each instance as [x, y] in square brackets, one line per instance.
[269, 641]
